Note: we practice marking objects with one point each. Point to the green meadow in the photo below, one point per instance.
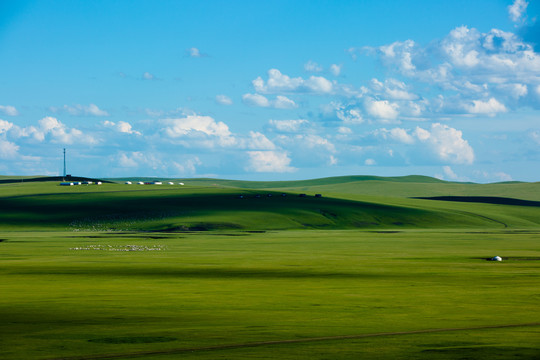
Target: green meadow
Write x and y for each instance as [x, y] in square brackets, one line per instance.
[221, 269]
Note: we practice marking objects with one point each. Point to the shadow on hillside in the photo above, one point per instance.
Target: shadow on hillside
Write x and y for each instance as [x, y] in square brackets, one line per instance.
[484, 199]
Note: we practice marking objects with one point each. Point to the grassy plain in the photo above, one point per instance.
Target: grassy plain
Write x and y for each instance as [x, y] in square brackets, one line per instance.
[207, 270]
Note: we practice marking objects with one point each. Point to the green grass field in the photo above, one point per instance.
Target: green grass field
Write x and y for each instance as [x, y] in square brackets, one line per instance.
[194, 272]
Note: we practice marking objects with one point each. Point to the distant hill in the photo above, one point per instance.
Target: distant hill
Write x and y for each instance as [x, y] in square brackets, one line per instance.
[355, 187]
[353, 202]
[14, 179]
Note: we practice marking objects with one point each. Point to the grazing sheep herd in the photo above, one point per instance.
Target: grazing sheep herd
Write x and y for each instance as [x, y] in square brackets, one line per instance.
[121, 247]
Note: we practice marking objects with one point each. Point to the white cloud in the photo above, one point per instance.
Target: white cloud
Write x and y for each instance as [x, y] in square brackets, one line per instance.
[349, 115]
[535, 136]
[223, 100]
[80, 110]
[8, 150]
[281, 102]
[312, 141]
[258, 141]
[9, 110]
[188, 167]
[269, 161]
[319, 84]
[290, 126]
[59, 132]
[382, 109]
[281, 83]
[400, 54]
[502, 176]
[335, 69]
[195, 53]
[255, 100]
[122, 126]
[514, 90]
[517, 10]
[450, 174]
[49, 128]
[5, 126]
[397, 134]
[198, 127]
[148, 76]
[344, 130]
[491, 107]
[476, 67]
[447, 144]
[370, 162]
[137, 159]
[393, 89]
[312, 66]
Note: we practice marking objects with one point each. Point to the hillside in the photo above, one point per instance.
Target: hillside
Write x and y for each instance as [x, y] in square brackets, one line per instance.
[354, 202]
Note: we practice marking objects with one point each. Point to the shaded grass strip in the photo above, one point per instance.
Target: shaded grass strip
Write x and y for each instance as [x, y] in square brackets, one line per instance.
[289, 341]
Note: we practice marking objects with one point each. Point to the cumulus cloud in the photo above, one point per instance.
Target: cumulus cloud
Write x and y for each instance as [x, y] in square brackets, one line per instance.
[197, 127]
[312, 66]
[280, 102]
[269, 161]
[188, 166]
[348, 114]
[148, 76]
[57, 132]
[392, 89]
[396, 134]
[8, 150]
[81, 110]
[255, 100]
[121, 126]
[5, 126]
[382, 109]
[335, 69]
[135, 159]
[9, 110]
[450, 174]
[517, 10]
[370, 162]
[223, 100]
[446, 143]
[281, 83]
[258, 141]
[489, 71]
[195, 53]
[490, 107]
[290, 126]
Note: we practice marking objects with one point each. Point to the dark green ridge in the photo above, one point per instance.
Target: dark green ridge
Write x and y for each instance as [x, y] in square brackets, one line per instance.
[484, 200]
[11, 180]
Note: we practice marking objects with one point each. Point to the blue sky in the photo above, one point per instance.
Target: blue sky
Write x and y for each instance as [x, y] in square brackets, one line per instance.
[271, 90]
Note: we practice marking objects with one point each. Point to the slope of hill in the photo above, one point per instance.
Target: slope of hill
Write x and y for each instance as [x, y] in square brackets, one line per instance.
[351, 203]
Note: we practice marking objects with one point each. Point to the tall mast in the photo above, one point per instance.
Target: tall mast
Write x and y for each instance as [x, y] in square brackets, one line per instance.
[64, 162]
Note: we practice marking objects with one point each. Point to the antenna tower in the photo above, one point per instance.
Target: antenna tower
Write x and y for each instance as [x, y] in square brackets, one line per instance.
[64, 162]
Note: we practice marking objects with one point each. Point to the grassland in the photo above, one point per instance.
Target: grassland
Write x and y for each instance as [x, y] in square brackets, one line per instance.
[195, 272]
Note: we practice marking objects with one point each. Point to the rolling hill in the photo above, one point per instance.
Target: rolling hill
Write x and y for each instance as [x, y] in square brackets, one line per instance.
[353, 202]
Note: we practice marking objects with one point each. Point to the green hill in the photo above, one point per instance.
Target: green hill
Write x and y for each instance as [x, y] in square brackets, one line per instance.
[359, 202]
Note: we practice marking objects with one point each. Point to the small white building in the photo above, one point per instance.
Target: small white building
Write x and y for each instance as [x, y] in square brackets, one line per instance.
[66, 184]
[171, 183]
[180, 183]
[496, 258]
[128, 183]
[140, 183]
[157, 183]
